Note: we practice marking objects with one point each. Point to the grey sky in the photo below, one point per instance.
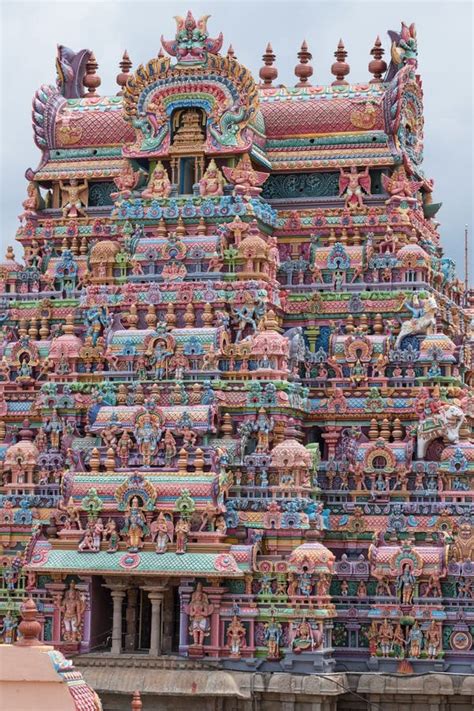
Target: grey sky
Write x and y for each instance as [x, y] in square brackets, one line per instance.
[31, 30]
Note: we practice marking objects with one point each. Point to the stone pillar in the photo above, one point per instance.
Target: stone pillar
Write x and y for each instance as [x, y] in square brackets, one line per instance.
[185, 590]
[131, 618]
[117, 599]
[156, 599]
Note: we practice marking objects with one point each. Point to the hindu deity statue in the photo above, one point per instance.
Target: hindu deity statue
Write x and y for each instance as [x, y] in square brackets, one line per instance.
[112, 535]
[246, 180]
[236, 637]
[73, 198]
[352, 184]
[199, 611]
[406, 585]
[373, 636]
[433, 640]
[135, 526]
[263, 426]
[148, 435]
[162, 532]
[182, 530]
[212, 182]
[124, 445]
[32, 202]
[7, 630]
[72, 607]
[303, 636]
[399, 187]
[462, 550]
[126, 181]
[273, 635]
[385, 638]
[415, 641]
[169, 444]
[159, 185]
[159, 358]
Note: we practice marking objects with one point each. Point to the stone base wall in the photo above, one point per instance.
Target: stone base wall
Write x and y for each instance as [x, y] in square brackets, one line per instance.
[171, 684]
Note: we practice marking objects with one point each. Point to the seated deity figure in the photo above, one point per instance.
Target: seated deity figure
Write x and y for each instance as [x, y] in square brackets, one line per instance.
[159, 185]
[212, 182]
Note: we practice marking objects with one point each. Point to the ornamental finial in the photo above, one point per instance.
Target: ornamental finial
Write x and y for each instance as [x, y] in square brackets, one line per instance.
[377, 66]
[192, 43]
[125, 66]
[92, 80]
[304, 70]
[29, 627]
[268, 72]
[231, 53]
[136, 701]
[340, 68]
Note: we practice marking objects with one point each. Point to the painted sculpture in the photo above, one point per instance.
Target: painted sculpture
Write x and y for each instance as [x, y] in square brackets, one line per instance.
[236, 371]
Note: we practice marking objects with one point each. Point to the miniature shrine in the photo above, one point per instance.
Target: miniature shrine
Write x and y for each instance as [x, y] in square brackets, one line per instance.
[236, 376]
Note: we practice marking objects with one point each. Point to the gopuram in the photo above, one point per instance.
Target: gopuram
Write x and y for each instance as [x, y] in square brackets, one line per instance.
[236, 371]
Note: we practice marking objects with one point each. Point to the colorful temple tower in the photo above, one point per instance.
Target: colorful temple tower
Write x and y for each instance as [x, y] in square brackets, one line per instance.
[236, 370]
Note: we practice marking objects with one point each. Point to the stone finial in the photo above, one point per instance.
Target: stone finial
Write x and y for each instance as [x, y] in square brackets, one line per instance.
[29, 627]
[136, 701]
[91, 79]
[268, 72]
[377, 66]
[231, 53]
[340, 68]
[304, 70]
[125, 66]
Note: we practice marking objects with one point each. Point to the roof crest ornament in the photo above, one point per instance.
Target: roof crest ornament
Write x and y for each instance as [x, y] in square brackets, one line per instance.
[192, 42]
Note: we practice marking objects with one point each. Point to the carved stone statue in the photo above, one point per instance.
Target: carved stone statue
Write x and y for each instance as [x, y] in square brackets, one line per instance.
[159, 185]
[212, 182]
[73, 198]
[199, 611]
[236, 634]
[72, 607]
[462, 550]
[351, 185]
[406, 585]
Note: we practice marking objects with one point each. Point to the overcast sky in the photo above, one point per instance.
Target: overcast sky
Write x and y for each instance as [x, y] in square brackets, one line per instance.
[31, 30]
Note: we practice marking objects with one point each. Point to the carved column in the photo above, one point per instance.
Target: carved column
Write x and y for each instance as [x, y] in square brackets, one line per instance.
[156, 599]
[185, 590]
[117, 599]
[155, 595]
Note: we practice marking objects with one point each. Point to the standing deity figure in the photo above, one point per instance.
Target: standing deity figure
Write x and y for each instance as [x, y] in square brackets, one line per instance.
[135, 526]
[32, 202]
[73, 198]
[415, 641]
[373, 636]
[169, 443]
[162, 533]
[385, 638]
[159, 185]
[181, 530]
[124, 445]
[72, 607]
[112, 534]
[199, 610]
[406, 585]
[433, 588]
[273, 635]
[212, 182]
[352, 184]
[399, 642]
[159, 359]
[148, 435]
[7, 630]
[433, 640]
[263, 425]
[236, 634]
